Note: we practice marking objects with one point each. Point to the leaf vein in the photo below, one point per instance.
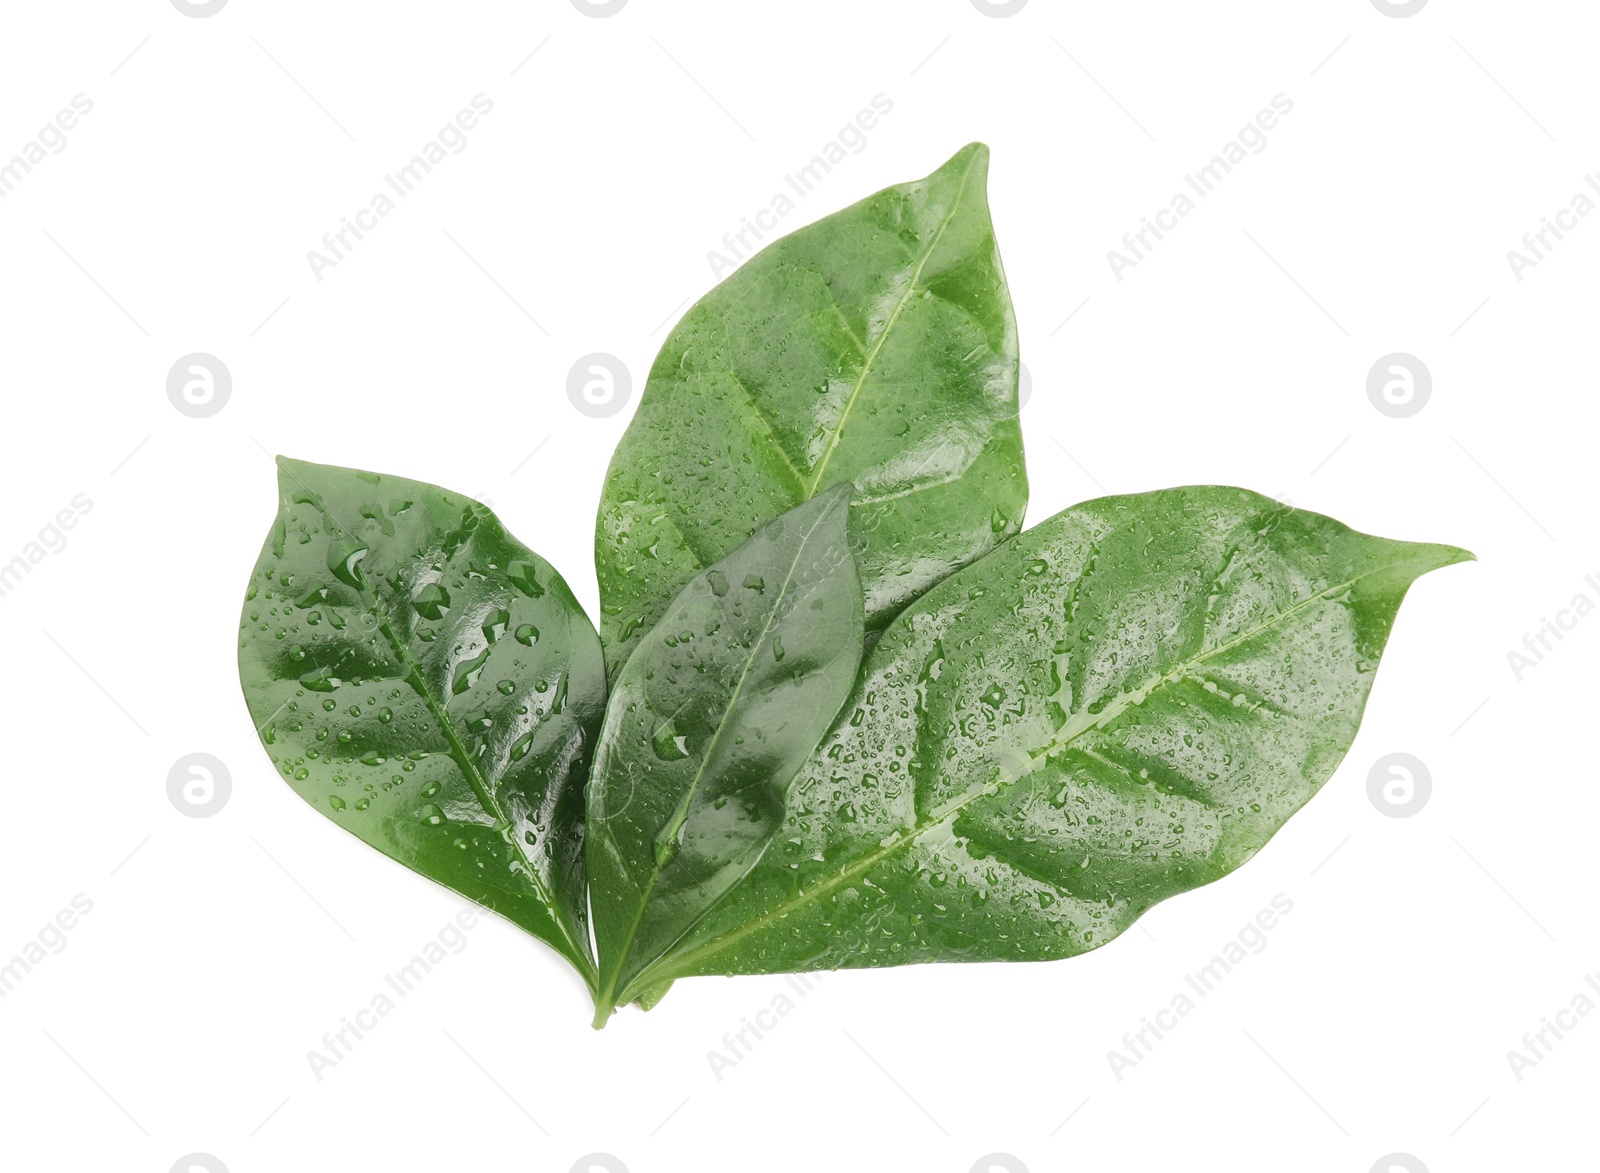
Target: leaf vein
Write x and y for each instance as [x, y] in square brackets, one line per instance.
[888, 329]
[944, 815]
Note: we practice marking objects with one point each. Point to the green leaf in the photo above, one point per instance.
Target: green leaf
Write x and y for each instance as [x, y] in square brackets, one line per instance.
[430, 684]
[711, 716]
[876, 346]
[1122, 704]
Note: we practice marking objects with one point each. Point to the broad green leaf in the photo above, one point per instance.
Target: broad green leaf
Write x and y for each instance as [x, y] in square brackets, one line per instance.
[876, 346]
[430, 684]
[711, 716]
[1121, 704]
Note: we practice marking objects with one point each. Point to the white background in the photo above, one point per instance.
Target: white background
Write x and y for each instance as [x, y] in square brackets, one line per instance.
[178, 1017]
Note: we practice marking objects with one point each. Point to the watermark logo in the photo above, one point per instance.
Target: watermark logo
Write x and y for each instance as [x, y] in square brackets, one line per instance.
[451, 139]
[738, 246]
[1536, 644]
[1252, 139]
[1138, 1045]
[1538, 245]
[199, 785]
[51, 938]
[602, 1161]
[199, 385]
[599, 385]
[1399, 385]
[340, 1043]
[198, 9]
[1002, 1161]
[51, 140]
[737, 1045]
[1399, 9]
[1399, 1162]
[599, 9]
[52, 539]
[199, 1162]
[1399, 785]
[999, 8]
[1024, 385]
[1537, 1045]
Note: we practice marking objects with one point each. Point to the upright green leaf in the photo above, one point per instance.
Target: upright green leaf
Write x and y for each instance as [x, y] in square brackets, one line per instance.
[713, 713]
[876, 346]
[430, 684]
[1123, 703]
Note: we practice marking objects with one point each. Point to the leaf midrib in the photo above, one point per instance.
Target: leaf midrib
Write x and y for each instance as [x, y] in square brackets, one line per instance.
[680, 814]
[808, 486]
[458, 750]
[683, 965]
[888, 328]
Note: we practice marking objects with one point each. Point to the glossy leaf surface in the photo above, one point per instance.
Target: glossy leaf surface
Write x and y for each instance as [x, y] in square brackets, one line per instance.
[713, 713]
[430, 684]
[876, 346]
[1121, 704]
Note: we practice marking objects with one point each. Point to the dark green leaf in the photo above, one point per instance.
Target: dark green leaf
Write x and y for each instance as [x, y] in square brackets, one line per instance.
[876, 346]
[711, 716]
[430, 684]
[1122, 704]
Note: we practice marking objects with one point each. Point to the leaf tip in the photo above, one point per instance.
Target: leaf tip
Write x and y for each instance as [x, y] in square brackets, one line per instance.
[971, 161]
[837, 496]
[1440, 556]
[290, 469]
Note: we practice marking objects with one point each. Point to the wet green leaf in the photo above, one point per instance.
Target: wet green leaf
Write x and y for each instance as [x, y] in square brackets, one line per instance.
[876, 346]
[711, 716]
[430, 684]
[1121, 704]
